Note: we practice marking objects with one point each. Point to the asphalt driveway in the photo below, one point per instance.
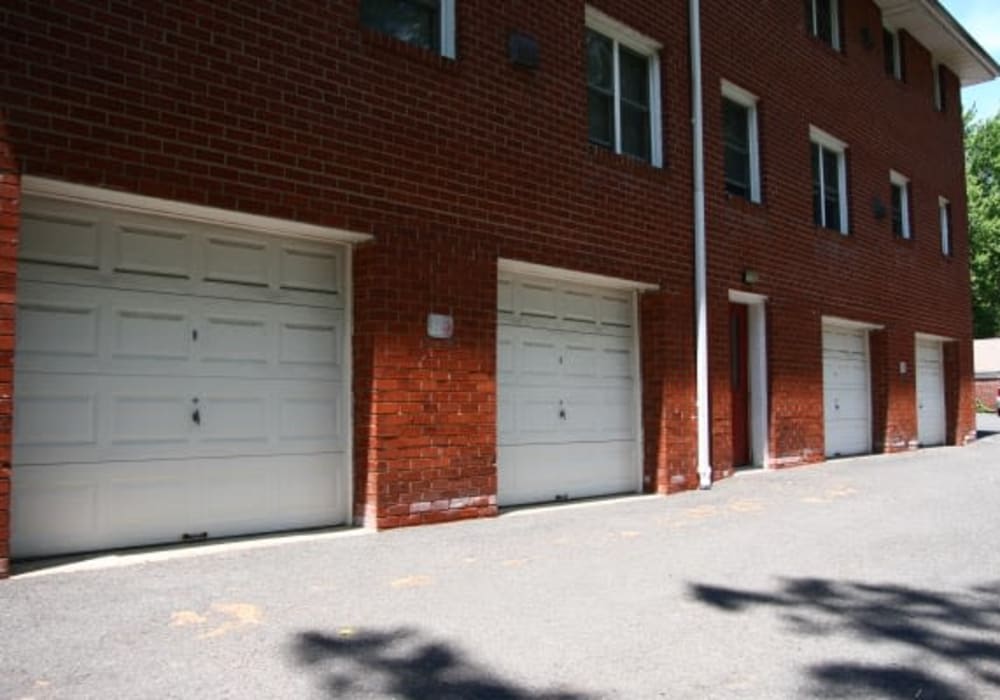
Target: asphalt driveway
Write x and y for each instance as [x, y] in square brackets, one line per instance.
[876, 577]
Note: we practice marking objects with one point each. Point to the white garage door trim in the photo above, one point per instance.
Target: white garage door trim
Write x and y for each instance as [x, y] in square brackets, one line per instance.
[514, 273]
[834, 443]
[930, 390]
[45, 196]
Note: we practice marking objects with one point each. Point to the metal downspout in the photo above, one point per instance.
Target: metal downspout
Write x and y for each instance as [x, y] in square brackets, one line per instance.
[700, 255]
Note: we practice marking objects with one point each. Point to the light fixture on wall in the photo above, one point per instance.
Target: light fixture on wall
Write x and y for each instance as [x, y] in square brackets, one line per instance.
[750, 276]
[522, 49]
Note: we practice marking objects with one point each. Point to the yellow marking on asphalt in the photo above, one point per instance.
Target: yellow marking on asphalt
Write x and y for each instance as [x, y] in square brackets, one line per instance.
[412, 582]
[183, 618]
[746, 506]
[345, 632]
[630, 534]
[701, 512]
[223, 618]
[514, 563]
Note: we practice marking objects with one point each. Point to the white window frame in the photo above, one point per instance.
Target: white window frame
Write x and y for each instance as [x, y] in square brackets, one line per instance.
[448, 28]
[897, 179]
[944, 222]
[897, 52]
[834, 22]
[818, 137]
[622, 35]
[749, 100]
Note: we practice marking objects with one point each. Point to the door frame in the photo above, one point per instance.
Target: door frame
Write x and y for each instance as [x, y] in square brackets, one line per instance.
[758, 422]
[522, 269]
[940, 341]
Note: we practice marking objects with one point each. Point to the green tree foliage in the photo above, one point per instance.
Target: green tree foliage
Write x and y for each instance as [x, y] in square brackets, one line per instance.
[982, 158]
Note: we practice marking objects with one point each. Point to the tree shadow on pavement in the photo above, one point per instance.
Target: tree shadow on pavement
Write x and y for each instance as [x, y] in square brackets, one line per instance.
[958, 631]
[402, 663]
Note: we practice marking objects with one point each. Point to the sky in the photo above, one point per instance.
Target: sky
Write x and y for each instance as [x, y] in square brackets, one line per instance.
[979, 17]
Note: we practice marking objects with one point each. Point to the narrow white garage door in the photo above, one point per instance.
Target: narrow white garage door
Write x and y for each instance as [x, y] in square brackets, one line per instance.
[567, 416]
[173, 381]
[846, 391]
[930, 393]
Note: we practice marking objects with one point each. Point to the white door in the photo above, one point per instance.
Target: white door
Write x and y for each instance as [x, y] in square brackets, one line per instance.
[846, 391]
[173, 381]
[567, 402]
[930, 393]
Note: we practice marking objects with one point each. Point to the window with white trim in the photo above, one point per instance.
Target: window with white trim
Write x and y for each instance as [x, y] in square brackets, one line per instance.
[939, 88]
[899, 186]
[892, 53]
[829, 174]
[623, 89]
[740, 142]
[429, 24]
[944, 219]
[823, 21]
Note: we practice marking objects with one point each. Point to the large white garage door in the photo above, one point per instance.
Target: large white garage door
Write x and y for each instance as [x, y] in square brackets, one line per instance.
[846, 391]
[568, 422]
[930, 393]
[173, 381]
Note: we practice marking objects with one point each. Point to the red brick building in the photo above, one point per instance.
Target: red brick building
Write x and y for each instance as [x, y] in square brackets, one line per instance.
[285, 267]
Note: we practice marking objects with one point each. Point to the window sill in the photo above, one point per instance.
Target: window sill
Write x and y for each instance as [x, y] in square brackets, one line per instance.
[604, 155]
[385, 43]
[823, 230]
[740, 203]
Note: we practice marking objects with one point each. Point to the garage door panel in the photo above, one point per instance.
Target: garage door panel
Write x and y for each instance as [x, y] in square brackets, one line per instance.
[234, 419]
[58, 328]
[231, 339]
[237, 261]
[55, 416]
[309, 344]
[153, 252]
[309, 269]
[154, 333]
[150, 420]
[60, 240]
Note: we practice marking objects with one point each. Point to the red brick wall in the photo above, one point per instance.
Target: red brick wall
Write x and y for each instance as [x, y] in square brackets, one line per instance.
[301, 113]
[298, 112]
[870, 276]
[10, 192]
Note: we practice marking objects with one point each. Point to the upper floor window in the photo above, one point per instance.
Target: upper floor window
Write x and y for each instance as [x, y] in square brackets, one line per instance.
[939, 88]
[429, 24]
[740, 142]
[829, 175]
[623, 89]
[892, 45]
[900, 191]
[944, 218]
[823, 20]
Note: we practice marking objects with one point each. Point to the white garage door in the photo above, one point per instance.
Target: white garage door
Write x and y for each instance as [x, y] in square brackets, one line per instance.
[930, 393]
[173, 381]
[567, 416]
[846, 392]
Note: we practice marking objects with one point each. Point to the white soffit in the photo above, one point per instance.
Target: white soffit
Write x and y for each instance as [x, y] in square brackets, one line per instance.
[58, 190]
[948, 41]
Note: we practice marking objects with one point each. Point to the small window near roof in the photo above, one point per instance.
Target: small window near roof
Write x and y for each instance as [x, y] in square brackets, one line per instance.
[939, 88]
[429, 24]
[823, 21]
[944, 218]
[900, 192]
[892, 53]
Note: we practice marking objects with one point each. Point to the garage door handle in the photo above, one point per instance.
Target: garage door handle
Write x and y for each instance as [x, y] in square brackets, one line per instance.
[196, 416]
